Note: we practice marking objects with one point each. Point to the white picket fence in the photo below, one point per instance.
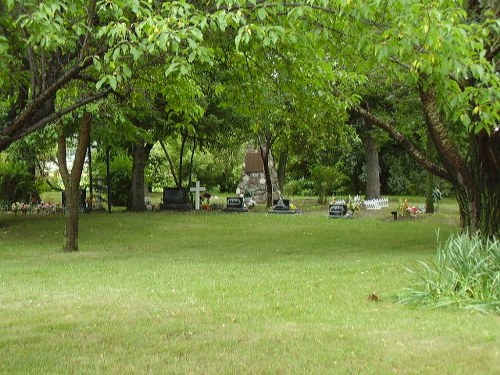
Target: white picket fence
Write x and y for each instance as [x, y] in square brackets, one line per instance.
[376, 204]
[371, 204]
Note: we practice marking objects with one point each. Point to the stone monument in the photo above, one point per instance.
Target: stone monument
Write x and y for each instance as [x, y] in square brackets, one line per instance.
[253, 179]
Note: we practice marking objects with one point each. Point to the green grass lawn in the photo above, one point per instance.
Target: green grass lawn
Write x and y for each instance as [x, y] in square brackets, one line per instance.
[213, 293]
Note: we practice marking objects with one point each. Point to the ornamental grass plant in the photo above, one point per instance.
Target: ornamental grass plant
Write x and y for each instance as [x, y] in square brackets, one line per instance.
[466, 274]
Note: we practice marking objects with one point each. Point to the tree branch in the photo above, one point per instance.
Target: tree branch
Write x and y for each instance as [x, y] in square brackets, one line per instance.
[5, 141]
[401, 139]
[447, 151]
[30, 110]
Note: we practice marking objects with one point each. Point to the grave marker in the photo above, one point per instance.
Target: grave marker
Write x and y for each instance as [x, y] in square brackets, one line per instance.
[282, 206]
[337, 210]
[197, 190]
[176, 199]
[235, 204]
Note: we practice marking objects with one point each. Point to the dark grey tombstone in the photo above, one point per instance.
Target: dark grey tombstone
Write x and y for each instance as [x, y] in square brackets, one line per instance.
[337, 210]
[235, 204]
[176, 199]
[281, 206]
[83, 198]
[286, 203]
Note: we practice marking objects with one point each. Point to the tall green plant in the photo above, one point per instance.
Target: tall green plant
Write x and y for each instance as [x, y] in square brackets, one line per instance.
[466, 274]
[326, 180]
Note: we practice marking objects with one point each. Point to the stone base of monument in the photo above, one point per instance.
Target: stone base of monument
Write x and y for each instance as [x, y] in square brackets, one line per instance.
[235, 204]
[282, 206]
[229, 209]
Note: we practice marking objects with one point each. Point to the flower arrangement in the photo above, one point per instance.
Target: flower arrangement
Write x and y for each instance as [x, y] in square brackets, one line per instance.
[20, 207]
[215, 203]
[353, 204]
[406, 209]
[48, 207]
[205, 201]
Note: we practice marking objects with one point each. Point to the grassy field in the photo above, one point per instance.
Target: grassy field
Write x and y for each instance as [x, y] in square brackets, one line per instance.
[213, 293]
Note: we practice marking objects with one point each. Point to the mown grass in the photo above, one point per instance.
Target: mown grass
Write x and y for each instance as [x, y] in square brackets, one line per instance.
[212, 293]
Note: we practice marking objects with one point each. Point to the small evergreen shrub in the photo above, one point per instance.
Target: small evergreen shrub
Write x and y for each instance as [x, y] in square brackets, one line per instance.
[466, 274]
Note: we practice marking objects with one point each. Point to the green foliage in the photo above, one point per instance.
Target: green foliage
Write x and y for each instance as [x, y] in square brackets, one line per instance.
[466, 274]
[219, 172]
[16, 183]
[121, 177]
[326, 180]
[441, 46]
[300, 187]
[404, 175]
[157, 173]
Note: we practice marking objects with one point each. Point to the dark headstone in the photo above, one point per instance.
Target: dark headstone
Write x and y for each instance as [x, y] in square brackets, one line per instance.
[235, 204]
[281, 206]
[83, 198]
[286, 203]
[337, 210]
[176, 199]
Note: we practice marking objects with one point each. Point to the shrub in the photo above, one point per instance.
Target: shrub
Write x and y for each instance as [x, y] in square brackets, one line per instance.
[120, 176]
[299, 187]
[16, 183]
[466, 274]
[326, 180]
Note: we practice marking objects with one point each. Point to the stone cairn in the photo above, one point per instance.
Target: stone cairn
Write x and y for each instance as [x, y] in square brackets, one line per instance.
[253, 179]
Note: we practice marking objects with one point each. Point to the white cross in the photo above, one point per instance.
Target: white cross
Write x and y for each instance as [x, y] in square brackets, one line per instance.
[197, 189]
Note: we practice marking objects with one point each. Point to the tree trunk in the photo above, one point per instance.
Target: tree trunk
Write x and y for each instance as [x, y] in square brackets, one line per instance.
[282, 160]
[429, 196]
[487, 179]
[190, 180]
[264, 152]
[137, 188]
[71, 181]
[181, 161]
[72, 207]
[475, 179]
[429, 184]
[372, 167]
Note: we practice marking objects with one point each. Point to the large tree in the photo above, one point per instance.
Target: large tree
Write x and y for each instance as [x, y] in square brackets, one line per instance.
[47, 47]
[448, 56]
[443, 51]
[57, 56]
